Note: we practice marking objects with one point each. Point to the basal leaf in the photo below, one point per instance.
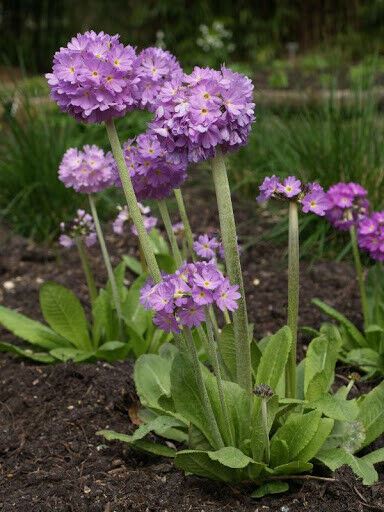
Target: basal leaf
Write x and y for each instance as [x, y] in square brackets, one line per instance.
[232, 458]
[71, 354]
[274, 487]
[133, 264]
[292, 468]
[258, 433]
[333, 313]
[152, 379]
[375, 457]
[199, 463]
[133, 312]
[30, 330]
[64, 313]
[317, 441]
[336, 407]
[372, 413]
[227, 349]
[146, 446]
[274, 358]
[338, 457]
[297, 432]
[40, 357]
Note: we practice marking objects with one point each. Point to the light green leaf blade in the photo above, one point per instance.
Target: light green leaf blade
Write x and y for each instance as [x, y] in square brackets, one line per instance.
[40, 357]
[317, 441]
[152, 379]
[375, 457]
[227, 349]
[133, 264]
[274, 358]
[232, 458]
[336, 407]
[199, 463]
[338, 457]
[372, 413]
[71, 354]
[63, 312]
[143, 445]
[275, 487]
[30, 330]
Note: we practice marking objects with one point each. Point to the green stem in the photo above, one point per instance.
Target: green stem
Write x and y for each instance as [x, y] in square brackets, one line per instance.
[232, 260]
[213, 356]
[133, 207]
[202, 389]
[293, 296]
[163, 208]
[92, 290]
[185, 221]
[107, 261]
[264, 416]
[227, 317]
[359, 274]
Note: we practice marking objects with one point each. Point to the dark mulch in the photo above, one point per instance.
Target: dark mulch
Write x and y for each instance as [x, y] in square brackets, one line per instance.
[50, 458]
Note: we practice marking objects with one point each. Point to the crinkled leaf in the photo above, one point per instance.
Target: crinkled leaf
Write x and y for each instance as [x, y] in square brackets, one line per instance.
[198, 462]
[71, 354]
[227, 349]
[333, 313]
[338, 457]
[40, 357]
[152, 379]
[133, 264]
[375, 457]
[336, 407]
[297, 432]
[146, 446]
[317, 441]
[372, 413]
[29, 330]
[366, 358]
[274, 358]
[275, 487]
[64, 313]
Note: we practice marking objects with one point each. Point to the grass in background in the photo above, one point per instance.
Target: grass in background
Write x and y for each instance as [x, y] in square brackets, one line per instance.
[32, 142]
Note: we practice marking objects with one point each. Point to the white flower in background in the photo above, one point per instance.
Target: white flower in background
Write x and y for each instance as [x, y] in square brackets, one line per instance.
[216, 37]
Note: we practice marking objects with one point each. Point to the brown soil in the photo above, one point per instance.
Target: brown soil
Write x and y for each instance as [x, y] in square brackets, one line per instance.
[50, 458]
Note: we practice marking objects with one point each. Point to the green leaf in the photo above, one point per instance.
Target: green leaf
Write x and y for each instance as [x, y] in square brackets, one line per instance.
[227, 349]
[166, 263]
[279, 452]
[366, 358]
[40, 357]
[105, 321]
[159, 425]
[198, 462]
[292, 468]
[133, 264]
[275, 487]
[133, 312]
[372, 413]
[321, 360]
[29, 330]
[258, 433]
[317, 441]
[112, 351]
[71, 354]
[232, 458]
[146, 446]
[338, 457]
[297, 432]
[336, 407]
[274, 358]
[375, 457]
[333, 313]
[64, 313]
[152, 379]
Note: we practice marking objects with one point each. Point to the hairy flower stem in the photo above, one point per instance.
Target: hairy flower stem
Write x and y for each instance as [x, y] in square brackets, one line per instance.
[164, 212]
[264, 416]
[232, 260]
[202, 389]
[89, 277]
[213, 356]
[185, 221]
[359, 274]
[107, 262]
[293, 296]
[133, 207]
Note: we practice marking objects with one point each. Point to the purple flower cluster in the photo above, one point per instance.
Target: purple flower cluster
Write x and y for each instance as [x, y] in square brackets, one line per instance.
[311, 196]
[348, 204]
[82, 226]
[208, 248]
[204, 110]
[93, 78]
[123, 216]
[180, 299]
[370, 232]
[154, 67]
[88, 170]
[154, 175]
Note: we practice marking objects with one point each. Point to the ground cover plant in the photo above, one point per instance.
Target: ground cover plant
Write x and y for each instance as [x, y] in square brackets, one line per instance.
[231, 433]
[251, 414]
[350, 210]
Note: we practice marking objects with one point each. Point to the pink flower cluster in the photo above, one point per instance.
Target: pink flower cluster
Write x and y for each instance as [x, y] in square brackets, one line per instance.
[154, 174]
[93, 77]
[348, 204]
[88, 170]
[81, 227]
[123, 217]
[311, 196]
[370, 231]
[202, 111]
[181, 298]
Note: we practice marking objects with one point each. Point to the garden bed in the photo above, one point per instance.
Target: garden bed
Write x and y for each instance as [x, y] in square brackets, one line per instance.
[50, 457]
